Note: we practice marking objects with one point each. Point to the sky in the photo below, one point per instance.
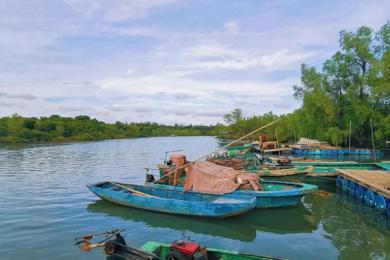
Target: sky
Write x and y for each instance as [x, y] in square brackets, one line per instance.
[166, 61]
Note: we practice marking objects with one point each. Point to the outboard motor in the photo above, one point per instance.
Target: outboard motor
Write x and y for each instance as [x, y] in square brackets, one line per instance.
[150, 178]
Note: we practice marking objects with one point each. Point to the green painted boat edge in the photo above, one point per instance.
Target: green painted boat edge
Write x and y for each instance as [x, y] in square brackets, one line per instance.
[152, 246]
[384, 165]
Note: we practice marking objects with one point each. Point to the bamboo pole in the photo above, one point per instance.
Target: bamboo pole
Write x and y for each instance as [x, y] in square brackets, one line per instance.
[132, 190]
[277, 142]
[350, 133]
[373, 142]
[223, 147]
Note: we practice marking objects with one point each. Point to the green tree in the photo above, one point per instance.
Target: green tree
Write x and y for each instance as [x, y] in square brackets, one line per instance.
[233, 117]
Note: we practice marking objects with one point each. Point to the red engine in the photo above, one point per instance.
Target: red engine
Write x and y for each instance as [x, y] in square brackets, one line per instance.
[186, 250]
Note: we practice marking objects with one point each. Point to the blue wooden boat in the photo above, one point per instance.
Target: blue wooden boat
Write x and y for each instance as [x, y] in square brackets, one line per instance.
[274, 193]
[163, 199]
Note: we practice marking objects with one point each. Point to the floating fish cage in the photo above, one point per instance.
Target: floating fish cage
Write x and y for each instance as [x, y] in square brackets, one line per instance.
[364, 194]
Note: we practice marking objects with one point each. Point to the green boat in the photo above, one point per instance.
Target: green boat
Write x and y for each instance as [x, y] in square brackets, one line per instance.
[115, 247]
[179, 250]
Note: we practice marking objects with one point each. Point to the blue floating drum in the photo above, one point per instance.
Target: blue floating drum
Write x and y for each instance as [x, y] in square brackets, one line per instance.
[369, 198]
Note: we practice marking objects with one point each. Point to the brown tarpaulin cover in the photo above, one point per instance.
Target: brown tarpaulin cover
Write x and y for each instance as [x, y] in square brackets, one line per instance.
[207, 177]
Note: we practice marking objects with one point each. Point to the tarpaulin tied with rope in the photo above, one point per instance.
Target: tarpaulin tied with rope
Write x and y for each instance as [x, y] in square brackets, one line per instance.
[207, 177]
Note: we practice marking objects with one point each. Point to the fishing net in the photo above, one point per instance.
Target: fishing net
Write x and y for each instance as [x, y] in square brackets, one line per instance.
[208, 177]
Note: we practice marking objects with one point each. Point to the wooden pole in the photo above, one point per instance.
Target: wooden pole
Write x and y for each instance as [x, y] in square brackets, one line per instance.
[373, 142]
[295, 137]
[132, 190]
[277, 142]
[223, 147]
[350, 133]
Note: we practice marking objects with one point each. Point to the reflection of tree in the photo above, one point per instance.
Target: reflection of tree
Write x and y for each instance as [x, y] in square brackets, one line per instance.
[357, 231]
[282, 220]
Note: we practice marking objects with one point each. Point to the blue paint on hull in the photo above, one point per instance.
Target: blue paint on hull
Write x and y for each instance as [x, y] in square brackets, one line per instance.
[174, 201]
[289, 193]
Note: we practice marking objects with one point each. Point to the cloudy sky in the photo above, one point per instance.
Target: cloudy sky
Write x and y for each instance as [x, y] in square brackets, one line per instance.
[166, 61]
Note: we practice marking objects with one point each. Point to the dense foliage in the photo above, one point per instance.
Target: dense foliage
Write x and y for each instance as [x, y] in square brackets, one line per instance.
[353, 86]
[56, 128]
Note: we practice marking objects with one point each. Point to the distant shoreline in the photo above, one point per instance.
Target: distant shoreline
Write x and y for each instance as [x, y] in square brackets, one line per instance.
[96, 140]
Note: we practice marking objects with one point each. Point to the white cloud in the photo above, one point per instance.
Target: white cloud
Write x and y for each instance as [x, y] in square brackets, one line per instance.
[228, 59]
[231, 27]
[117, 10]
[208, 51]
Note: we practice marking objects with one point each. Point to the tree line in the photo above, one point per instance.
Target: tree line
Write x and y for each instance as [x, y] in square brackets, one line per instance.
[351, 88]
[82, 128]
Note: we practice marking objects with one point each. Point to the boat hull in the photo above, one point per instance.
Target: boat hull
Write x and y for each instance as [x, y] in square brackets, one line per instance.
[174, 201]
[162, 251]
[275, 193]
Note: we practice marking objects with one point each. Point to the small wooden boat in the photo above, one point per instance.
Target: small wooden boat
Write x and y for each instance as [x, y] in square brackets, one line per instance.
[163, 199]
[115, 247]
[274, 194]
[178, 250]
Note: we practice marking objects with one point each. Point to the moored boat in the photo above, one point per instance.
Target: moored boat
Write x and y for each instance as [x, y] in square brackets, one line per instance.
[210, 178]
[273, 194]
[163, 199]
[115, 247]
[179, 249]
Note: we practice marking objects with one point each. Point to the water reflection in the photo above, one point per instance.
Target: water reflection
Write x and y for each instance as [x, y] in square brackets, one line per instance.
[359, 232]
[228, 228]
[282, 221]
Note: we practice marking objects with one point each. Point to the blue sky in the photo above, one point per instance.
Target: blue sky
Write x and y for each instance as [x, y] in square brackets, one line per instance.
[166, 61]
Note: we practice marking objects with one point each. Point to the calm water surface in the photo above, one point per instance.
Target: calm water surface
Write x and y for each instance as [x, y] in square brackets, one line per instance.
[44, 204]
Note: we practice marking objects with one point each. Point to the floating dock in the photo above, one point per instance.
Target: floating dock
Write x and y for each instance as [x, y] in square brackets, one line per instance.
[370, 187]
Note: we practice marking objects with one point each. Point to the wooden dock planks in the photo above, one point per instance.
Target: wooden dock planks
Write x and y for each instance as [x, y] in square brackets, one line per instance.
[378, 181]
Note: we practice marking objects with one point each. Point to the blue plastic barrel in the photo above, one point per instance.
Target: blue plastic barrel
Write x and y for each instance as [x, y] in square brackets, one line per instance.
[297, 151]
[359, 192]
[351, 188]
[380, 202]
[379, 152]
[317, 151]
[339, 181]
[348, 152]
[388, 208]
[344, 184]
[369, 198]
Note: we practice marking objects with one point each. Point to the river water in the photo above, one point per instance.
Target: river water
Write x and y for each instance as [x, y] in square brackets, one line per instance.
[44, 204]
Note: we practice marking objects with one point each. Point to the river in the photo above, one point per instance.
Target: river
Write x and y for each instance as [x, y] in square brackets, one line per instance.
[44, 204]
